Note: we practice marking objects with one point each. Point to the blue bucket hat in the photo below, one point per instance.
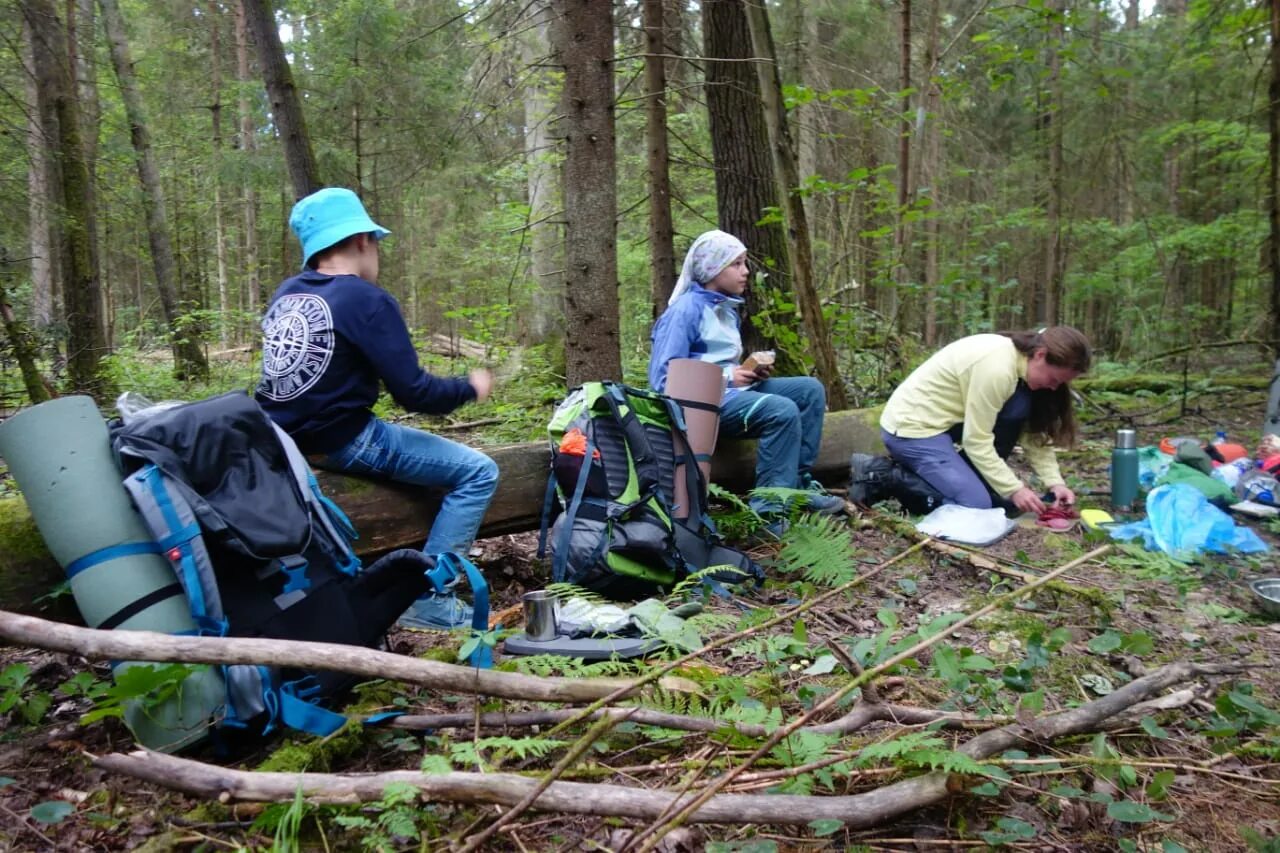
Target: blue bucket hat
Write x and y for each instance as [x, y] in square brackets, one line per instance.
[330, 216]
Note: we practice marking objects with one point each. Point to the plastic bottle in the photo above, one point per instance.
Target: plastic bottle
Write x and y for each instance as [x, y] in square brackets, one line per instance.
[1219, 438]
[1124, 470]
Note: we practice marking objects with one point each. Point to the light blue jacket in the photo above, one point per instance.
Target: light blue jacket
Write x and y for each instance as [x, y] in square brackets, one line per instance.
[702, 324]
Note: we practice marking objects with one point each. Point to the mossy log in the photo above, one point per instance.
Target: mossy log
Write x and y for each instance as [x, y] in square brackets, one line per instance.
[1164, 383]
[391, 516]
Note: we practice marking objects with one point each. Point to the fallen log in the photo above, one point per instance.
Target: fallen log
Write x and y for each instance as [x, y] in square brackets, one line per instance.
[391, 516]
[356, 660]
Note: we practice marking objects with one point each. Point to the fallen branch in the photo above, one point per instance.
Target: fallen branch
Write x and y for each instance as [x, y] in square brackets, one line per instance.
[978, 558]
[861, 716]
[857, 811]
[442, 344]
[333, 657]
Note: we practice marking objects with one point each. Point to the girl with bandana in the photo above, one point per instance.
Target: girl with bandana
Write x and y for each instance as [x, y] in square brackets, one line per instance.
[784, 414]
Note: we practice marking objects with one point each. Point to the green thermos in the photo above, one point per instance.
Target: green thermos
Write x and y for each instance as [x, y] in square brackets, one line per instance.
[1124, 470]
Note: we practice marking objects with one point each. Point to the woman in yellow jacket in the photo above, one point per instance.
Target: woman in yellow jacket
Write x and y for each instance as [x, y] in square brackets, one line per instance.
[984, 393]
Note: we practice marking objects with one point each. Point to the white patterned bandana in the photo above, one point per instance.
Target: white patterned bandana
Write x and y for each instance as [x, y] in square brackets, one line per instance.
[709, 254]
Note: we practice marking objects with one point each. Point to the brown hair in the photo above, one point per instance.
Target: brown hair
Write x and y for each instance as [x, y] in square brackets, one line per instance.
[1052, 410]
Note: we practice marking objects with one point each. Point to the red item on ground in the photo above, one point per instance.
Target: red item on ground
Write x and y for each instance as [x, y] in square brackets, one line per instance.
[1059, 518]
[1230, 451]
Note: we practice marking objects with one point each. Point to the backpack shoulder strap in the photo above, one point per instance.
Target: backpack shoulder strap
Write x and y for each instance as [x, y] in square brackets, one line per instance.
[642, 455]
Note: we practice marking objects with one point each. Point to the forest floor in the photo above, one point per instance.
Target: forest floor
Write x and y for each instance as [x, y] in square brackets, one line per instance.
[1205, 776]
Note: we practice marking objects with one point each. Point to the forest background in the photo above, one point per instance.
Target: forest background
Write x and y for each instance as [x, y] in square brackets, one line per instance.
[904, 173]
[949, 168]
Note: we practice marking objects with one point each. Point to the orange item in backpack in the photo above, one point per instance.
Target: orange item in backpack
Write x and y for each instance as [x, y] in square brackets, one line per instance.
[574, 443]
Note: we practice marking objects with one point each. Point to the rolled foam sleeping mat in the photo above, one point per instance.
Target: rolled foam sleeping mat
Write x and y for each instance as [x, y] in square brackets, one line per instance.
[698, 387]
[60, 454]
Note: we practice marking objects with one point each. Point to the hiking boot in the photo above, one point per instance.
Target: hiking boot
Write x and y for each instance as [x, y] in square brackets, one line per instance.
[869, 478]
[442, 612]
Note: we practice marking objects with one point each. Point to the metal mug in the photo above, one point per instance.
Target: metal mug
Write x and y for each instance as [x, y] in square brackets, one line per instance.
[539, 615]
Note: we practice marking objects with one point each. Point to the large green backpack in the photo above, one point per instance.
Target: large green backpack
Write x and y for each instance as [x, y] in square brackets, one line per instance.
[615, 451]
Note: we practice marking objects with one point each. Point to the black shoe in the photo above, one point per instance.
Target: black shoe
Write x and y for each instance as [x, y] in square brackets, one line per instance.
[869, 478]
[915, 493]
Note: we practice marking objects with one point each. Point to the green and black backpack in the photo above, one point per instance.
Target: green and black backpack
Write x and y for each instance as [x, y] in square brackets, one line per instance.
[614, 457]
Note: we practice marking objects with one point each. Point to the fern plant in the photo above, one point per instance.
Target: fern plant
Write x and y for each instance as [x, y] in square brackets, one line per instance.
[821, 548]
[471, 753]
[920, 750]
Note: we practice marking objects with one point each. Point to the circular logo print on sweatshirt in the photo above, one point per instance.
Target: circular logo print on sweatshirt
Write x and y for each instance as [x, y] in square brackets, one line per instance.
[297, 345]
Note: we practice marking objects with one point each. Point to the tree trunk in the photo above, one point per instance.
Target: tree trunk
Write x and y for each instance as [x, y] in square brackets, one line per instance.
[43, 234]
[788, 180]
[1051, 282]
[215, 117]
[81, 44]
[745, 187]
[662, 252]
[1273, 186]
[542, 179]
[902, 227]
[21, 342]
[86, 344]
[251, 287]
[931, 174]
[188, 358]
[286, 106]
[582, 36]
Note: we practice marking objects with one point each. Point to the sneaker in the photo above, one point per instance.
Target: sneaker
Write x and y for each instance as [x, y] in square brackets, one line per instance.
[442, 612]
[826, 504]
[819, 500]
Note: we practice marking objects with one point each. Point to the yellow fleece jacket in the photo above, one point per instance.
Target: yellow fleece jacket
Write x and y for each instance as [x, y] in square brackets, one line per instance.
[968, 382]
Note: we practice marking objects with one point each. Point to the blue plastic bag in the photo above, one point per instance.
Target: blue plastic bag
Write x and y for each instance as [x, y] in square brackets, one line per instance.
[1182, 523]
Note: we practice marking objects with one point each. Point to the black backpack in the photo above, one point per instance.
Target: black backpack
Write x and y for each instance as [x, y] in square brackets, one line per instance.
[615, 453]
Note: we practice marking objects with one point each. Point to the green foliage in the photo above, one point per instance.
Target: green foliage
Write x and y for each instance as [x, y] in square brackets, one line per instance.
[472, 753]
[17, 693]
[150, 685]
[488, 639]
[1259, 843]
[284, 821]
[919, 750]
[821, 548]
[396, 817]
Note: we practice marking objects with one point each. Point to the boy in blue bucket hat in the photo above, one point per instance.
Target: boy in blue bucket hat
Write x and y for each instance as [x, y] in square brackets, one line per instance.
[331, 338]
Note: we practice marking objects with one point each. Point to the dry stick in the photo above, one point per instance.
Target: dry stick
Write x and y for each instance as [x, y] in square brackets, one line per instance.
[659, 831]
[575, 752]
[857, 811]
[1192, 766]
[858, 717]
[357, 660]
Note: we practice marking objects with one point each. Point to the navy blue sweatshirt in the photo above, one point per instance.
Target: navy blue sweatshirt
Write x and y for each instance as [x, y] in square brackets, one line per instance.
[328, 341]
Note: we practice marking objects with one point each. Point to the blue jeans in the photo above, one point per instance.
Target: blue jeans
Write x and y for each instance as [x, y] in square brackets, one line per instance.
[948, 470]
[786, 416]
[407, 455]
